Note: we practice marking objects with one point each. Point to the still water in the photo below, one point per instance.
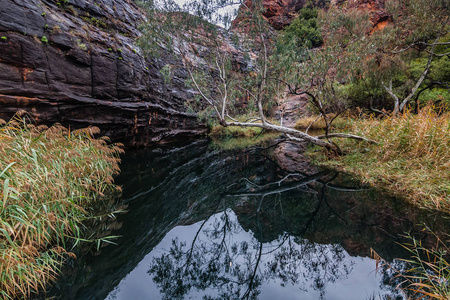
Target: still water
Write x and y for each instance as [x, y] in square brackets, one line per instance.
[209, 224]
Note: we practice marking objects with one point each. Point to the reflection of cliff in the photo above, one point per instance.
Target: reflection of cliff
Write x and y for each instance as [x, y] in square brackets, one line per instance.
[165, 188]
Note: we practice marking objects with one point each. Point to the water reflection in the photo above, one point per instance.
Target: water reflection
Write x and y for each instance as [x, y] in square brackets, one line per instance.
[234, 264]
[213, 225]
[218, 259]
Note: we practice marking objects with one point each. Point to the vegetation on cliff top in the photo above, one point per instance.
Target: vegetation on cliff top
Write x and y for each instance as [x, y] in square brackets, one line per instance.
[50, 178]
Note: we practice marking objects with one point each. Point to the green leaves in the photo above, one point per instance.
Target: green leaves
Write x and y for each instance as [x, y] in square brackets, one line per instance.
[3, 173]
[303, 32]
[166, 73]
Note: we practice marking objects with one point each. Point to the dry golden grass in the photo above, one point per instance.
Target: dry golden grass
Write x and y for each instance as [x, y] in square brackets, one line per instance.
[412, 159]
[48, 179]
[316, 122]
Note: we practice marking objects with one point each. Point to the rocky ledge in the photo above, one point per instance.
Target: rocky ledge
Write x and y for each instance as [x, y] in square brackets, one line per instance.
[76, 62]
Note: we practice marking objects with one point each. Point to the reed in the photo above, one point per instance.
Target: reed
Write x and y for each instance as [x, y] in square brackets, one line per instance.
[49, 179]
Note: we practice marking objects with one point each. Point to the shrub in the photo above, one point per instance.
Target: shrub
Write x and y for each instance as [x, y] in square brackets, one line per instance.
[317, 122]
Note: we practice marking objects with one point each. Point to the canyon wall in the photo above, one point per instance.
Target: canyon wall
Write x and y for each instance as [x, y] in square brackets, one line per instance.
[76, 62]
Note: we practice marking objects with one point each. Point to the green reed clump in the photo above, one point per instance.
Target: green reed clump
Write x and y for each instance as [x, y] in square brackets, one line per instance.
[412, 158]
[49, 177]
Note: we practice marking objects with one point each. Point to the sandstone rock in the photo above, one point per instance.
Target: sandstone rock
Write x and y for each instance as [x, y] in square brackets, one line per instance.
[77, 63]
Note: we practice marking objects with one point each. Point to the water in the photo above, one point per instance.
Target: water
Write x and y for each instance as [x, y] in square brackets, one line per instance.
[205, 224]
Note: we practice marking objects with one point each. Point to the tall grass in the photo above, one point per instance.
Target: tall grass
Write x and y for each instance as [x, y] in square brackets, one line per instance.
[426, 274]
[412, 159]
[49, 177]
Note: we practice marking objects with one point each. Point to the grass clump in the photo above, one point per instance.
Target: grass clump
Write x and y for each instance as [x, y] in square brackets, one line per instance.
[48, 179]
[237, 137]
[412, 158]
[243, 142]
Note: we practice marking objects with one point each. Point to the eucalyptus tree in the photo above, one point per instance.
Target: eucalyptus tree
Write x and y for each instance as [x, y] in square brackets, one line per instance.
[208, 54]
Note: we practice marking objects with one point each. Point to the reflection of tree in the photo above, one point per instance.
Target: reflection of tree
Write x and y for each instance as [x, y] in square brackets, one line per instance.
[212, 263]
[320, 264]
[224, 267]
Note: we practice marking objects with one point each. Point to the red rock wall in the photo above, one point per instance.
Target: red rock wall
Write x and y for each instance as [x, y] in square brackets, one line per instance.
[280, 13]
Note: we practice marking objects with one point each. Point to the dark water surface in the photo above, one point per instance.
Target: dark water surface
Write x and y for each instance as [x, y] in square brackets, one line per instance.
[205, 224]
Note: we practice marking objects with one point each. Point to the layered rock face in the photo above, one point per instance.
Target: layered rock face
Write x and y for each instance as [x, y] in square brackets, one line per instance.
[278, 13]
[75, 62]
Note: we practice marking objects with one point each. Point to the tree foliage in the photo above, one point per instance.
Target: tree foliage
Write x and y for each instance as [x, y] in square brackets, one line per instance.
[373, 64]
[303, 31]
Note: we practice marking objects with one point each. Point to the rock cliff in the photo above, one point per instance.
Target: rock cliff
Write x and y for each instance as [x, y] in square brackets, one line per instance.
[75, 62]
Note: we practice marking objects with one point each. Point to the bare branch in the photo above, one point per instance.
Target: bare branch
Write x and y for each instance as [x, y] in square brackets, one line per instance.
[393, 95]
[209, 101]
[434, 44]
[233, 119]
[246, 90]
[404, 49]
[421, 79]
[438, 55]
